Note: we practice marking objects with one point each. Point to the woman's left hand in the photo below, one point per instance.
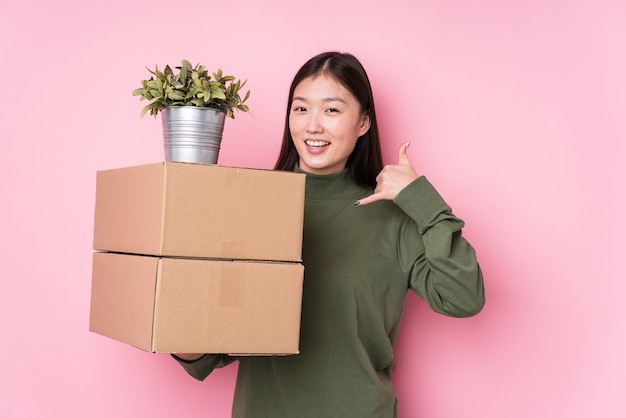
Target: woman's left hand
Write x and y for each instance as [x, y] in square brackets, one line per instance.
[392, 179]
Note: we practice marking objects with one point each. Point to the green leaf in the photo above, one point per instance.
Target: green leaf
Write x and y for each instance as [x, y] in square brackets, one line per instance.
[159, 74]
[218, 94]
[144, 111]
[175, 95]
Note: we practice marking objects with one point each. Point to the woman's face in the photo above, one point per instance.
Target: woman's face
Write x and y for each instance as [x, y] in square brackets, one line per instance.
[325, 121]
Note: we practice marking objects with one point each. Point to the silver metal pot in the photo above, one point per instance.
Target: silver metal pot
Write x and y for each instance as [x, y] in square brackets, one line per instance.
[192, 134]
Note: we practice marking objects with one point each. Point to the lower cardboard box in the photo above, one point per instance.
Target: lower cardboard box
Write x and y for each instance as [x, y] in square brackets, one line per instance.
[183, 305]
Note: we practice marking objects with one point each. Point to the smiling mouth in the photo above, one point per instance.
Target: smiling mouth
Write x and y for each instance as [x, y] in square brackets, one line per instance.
[316, 143]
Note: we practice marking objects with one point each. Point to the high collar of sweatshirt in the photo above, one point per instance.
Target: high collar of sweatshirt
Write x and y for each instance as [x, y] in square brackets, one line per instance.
[330, 187]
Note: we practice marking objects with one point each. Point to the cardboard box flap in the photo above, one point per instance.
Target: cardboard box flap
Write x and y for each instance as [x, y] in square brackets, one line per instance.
[123, 297]
[129, 209]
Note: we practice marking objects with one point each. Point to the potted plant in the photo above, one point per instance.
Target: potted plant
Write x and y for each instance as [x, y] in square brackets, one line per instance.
[193, 105]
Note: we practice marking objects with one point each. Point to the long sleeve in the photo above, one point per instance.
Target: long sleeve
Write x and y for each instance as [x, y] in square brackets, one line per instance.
[204, 366]
[445, 272]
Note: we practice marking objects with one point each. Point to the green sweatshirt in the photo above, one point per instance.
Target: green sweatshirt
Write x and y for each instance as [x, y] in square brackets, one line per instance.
[359, 262]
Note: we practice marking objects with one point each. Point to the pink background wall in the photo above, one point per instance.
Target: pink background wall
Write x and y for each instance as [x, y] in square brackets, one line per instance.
[516, 111]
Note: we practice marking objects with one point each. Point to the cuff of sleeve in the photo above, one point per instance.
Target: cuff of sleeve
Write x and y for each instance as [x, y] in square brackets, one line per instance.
[421, 202]
[204, 366]
[183, 361]
[200, 368]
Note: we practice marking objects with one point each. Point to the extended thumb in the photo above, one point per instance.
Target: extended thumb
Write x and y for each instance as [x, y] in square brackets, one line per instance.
[402, 157]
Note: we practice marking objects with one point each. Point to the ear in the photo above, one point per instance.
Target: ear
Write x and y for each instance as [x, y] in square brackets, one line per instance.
[365, 124]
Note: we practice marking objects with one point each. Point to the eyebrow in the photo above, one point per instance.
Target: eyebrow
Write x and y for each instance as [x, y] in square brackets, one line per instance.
[328, 99]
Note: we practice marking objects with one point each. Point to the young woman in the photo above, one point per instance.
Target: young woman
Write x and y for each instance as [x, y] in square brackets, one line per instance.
[370, 234]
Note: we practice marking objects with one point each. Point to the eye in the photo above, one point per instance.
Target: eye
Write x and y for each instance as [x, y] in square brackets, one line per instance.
[332, 110]
[299, 109]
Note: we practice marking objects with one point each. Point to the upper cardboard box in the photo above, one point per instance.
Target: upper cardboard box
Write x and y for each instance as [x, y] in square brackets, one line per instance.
[195, 210]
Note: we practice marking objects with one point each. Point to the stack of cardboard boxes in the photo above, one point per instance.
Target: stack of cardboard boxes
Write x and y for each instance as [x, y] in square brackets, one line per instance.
[195, 258]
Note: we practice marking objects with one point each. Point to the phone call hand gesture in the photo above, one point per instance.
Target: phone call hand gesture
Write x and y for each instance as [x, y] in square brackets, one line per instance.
[392, 179]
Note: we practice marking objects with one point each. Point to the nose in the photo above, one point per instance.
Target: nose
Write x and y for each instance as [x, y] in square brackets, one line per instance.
[314, 124]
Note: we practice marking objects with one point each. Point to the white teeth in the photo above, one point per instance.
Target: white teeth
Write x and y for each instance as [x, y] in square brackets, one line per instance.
[314, 143]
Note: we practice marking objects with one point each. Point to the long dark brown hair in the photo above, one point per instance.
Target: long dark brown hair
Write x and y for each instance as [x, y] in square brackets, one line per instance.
[365, 161]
